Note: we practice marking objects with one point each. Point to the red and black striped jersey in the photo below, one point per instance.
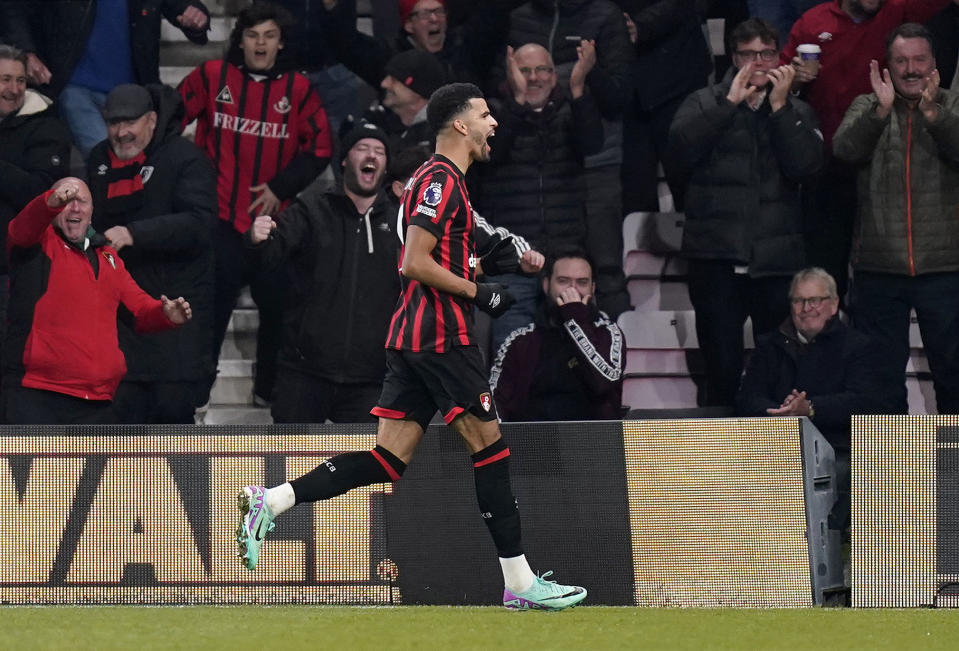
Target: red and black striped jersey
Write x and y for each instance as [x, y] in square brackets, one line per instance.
[426, 319]
[252, 127]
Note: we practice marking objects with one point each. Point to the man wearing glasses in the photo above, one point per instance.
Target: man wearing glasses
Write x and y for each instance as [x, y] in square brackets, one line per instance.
[534, 185]
[466, 51]
[816, 366]
[747, 146]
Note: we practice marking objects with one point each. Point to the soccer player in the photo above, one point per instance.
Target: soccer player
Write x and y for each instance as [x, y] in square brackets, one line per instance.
[433, 361]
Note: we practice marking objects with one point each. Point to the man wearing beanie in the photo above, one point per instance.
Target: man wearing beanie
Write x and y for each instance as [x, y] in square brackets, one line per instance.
[343, 249]
[466, 52]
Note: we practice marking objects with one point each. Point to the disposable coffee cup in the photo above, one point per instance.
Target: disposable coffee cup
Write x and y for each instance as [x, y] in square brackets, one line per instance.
[809, 53]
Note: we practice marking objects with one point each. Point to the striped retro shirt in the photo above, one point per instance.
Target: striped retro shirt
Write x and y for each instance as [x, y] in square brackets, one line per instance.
[252, 127]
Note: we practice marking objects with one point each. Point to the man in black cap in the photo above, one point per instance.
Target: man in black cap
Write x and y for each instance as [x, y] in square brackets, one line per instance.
[343, 247]
[155, 201]
[411, 77]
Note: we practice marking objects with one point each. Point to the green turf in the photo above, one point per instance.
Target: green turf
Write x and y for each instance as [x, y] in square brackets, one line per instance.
[335, 628]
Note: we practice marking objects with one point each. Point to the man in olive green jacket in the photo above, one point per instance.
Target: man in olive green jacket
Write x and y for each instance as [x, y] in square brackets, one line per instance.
[905, 252]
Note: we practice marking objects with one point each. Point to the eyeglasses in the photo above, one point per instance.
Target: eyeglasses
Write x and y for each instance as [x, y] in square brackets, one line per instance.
[540, 71]
[813, 301]
[752, 55]
[426, 14]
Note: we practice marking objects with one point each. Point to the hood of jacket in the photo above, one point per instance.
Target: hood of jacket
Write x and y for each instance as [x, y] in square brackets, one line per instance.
[169, 109]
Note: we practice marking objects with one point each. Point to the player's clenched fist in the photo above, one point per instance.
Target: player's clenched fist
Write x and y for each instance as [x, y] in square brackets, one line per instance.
[263, 227]
[493, 298]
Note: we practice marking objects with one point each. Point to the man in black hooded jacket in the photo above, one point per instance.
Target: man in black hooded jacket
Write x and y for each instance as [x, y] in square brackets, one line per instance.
[154, 193]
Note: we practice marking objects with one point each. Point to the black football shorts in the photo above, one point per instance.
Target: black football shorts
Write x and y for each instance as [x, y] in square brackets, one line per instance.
[419, 384]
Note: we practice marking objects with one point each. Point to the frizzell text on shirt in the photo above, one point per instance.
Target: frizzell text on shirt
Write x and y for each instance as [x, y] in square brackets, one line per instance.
[249, 126]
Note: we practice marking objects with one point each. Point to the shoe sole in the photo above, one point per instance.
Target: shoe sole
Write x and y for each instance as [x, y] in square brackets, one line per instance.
[550, 609]
[243, 504]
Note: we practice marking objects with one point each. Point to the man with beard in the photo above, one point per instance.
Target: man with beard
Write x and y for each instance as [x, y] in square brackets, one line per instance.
[568, 363]
[850, 34]
[904, 139]
[155, 198]
[343, 249]
[747, 145]
[433, 361]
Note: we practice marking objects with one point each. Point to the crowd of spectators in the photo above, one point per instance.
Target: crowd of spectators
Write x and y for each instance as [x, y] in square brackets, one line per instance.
[781, 162]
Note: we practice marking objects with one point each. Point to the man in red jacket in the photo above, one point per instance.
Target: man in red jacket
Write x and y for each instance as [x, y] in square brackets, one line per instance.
[61, 359]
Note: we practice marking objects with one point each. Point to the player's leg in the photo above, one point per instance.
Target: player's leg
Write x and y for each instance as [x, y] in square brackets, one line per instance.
[494, 493]
[458, 383]
[259, 506]
[403, 415]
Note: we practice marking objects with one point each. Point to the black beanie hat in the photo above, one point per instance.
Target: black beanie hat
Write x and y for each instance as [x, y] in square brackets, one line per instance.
[419, 71]
[362, 130]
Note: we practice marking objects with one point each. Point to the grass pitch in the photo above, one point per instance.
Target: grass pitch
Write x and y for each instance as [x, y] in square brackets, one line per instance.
[409, 627]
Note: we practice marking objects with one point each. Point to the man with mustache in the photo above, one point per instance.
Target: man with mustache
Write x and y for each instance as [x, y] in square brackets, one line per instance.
[850, 33]
[154, 194]
[748, 145]
[904, 139]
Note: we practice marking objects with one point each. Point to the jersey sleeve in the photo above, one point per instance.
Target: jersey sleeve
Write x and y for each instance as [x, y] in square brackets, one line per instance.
[313, 127]
[434, 202]
[193, 90]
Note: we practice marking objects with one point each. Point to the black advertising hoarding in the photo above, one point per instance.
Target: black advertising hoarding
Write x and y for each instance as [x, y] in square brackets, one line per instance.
[146, 515]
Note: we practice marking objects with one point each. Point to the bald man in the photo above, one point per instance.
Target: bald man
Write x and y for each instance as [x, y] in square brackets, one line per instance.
[61, 360]
[534, 186]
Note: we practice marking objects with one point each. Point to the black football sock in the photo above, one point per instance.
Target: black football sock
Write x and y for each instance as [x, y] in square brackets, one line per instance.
[495, 496]
[344, 472]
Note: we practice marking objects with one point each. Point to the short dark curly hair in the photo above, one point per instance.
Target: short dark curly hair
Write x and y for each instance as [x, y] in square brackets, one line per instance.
[449, 101]
[252, 15]
[752, 28]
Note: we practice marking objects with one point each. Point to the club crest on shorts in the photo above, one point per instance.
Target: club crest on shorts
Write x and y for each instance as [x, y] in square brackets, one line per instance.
[486, 400]
[433, 194]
